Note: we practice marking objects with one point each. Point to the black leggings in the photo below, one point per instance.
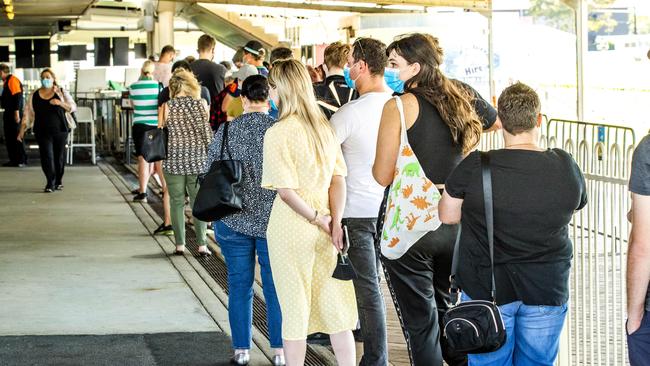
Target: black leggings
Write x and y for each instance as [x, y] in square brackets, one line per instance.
[52, 150]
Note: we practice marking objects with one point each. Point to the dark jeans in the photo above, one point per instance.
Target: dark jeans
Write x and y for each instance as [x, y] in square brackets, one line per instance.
[52, 150]
[370, 302]
[638, 343]
[419, 283]
[15, 148]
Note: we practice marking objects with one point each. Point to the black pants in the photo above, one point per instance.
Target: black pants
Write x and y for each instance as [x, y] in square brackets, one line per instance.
[15, 148]
[419, 282]
[52, 150]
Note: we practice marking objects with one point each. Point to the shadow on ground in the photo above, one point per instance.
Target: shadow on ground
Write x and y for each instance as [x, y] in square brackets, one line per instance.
[165, 349]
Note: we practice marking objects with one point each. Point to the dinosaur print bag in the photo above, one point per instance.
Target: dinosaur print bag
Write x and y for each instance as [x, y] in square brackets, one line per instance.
[412, 205]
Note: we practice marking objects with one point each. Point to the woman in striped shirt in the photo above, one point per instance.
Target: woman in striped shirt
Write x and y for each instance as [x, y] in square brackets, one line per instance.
[144, 98]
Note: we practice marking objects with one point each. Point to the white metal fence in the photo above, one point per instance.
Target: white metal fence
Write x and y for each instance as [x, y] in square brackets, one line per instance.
[595, 332]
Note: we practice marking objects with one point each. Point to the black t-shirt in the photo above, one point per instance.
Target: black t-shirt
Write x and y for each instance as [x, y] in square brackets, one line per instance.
[534, 197]
[163, 97]
[343, 95]
[210, 74]
[48, 119]
[431, 139]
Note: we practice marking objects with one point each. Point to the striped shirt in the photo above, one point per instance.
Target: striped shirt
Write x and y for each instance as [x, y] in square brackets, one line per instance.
[144, 97]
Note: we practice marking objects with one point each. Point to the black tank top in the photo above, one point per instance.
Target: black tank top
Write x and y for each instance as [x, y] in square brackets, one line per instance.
[48, 119]
[433, 144]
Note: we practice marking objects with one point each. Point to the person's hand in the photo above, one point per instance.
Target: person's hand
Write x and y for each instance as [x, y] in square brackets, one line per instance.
[20, 137]
[337, 236]
[633, 323]
[323, 222]
[55, 101]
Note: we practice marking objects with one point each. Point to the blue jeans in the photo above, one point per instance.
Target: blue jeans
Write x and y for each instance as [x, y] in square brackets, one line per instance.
[370, 301]
[533, 336]
[638, 343]
[239, 251]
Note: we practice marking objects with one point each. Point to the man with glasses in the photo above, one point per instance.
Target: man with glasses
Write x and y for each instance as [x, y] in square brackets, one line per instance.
[357, 124]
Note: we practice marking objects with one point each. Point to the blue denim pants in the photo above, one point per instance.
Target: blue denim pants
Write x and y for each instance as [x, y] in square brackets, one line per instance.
[638, 343]
[533, 336]
[239, 251]
[370, 300]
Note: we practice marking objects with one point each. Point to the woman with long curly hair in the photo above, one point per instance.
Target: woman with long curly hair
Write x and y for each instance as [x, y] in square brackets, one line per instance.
[443, 119]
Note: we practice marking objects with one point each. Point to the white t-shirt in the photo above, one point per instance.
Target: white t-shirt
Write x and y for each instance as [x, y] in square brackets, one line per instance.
[162, 73]
[357, 126]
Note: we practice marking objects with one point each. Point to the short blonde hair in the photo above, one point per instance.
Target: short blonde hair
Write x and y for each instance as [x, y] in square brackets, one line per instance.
[148, 67]
[336, 54]
[184, 82]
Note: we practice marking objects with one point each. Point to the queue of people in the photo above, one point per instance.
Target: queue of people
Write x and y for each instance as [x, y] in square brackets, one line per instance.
[383, 148]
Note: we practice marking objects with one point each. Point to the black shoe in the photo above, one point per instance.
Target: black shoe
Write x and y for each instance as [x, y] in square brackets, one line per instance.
[135, 191]
[48, 190]
[205, 253]
[58, 187]
[164, 230]
[140, 197]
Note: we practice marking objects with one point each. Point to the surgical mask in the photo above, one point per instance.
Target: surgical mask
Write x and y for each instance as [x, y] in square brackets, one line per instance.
[272, 105]
[393, 81]
[348, 80]
[47, 83]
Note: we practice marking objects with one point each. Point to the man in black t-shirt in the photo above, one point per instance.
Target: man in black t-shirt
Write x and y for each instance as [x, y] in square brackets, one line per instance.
[210, 74]
[638, 261]
[535, 193]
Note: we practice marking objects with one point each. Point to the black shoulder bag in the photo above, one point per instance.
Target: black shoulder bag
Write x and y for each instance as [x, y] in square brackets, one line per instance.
[476, 326]
[154, 145]
[220, 193]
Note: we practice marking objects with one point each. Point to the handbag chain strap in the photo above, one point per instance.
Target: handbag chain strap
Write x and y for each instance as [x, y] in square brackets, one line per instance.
[489, 223]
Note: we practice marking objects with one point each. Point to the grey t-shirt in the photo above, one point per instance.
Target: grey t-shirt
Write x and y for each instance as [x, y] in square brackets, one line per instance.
[210, 74]
[640, 180]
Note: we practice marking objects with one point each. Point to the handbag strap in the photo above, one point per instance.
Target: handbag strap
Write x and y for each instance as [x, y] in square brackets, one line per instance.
[489, 223]
[224, 142]
[489, 214]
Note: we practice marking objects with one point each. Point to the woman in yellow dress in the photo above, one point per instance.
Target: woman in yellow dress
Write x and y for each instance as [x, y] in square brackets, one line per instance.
[304, 163]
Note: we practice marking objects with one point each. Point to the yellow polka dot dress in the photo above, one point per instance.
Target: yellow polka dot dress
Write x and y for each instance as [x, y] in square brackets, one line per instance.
[302, 255]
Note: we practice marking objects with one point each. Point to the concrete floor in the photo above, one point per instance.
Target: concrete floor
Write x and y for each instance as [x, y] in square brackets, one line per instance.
[80, 262]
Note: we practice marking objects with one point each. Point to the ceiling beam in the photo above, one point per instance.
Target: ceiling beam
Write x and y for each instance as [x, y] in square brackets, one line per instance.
[465, 4]
[308, 6]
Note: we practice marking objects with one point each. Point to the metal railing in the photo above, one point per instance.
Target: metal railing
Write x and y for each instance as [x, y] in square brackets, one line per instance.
[595, 327]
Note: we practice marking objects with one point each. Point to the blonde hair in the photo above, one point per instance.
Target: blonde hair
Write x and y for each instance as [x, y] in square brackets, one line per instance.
[336, 54]
[184, 82]
[148, 67]
[297, 98]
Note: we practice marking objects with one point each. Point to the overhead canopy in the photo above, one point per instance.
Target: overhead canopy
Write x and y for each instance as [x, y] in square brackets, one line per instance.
[39, 17]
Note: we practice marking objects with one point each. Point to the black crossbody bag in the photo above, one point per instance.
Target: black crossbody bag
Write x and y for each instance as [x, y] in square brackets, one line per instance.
[476, 326]
[221, 188]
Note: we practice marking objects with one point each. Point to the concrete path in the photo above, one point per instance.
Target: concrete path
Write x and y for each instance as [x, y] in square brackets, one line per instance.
[80, 262]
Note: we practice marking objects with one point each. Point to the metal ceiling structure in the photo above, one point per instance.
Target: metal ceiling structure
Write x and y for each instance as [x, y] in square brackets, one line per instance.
[39, 17]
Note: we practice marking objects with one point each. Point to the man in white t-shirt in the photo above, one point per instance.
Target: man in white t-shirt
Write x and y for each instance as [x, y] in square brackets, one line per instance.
[357, 125]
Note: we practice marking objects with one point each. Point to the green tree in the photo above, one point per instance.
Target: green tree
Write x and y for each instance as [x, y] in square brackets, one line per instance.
[557, 14]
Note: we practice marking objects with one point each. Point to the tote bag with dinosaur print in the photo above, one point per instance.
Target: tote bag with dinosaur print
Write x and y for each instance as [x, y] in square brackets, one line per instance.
[412, 205]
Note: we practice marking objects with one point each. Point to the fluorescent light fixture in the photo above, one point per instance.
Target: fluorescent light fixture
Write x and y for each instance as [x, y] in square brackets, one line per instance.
[7, 2]
[9, 8]
[10, 16]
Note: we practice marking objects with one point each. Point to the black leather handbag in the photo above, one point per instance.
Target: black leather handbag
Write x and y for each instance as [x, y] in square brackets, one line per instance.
[344, 270]
[220, 193]
[476, 326]
[154, 145]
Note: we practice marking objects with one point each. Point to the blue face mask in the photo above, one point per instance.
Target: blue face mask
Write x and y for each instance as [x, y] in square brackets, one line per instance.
[47, 83]
[392, 79]
[348, 79]
[272, 105]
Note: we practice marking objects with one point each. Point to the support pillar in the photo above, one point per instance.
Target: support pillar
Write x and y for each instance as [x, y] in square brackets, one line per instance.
[582, 12]
[164, 28]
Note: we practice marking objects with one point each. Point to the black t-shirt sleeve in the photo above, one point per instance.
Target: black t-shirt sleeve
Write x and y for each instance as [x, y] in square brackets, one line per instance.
[486, 113]
[205, 94]
[459, 179]
[640, 175]
[163, 97]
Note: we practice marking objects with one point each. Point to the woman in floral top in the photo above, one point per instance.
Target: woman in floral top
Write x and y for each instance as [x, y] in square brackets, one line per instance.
[243, 234]
[186, 117]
